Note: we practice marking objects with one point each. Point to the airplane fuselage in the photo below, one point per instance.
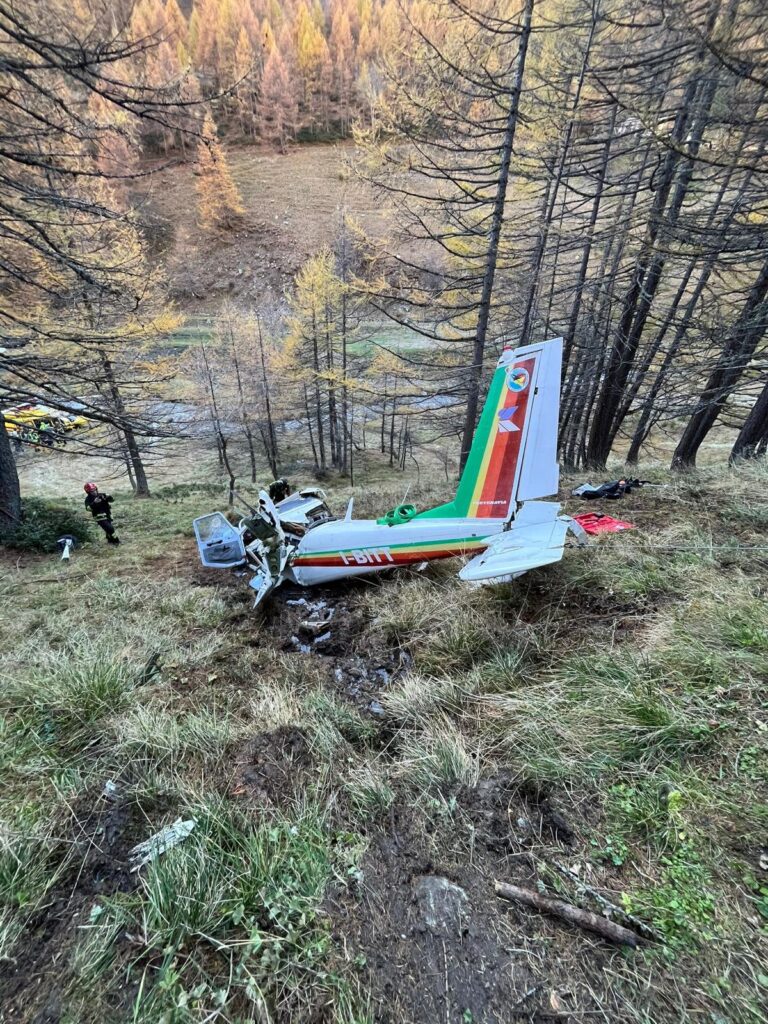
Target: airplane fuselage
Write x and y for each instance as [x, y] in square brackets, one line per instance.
[355, 547]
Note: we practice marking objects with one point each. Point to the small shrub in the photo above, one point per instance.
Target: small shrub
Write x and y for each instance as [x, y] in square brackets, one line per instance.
[41, 526]
[161, 736]
[327, 709]
[68, 693]
[414, 698]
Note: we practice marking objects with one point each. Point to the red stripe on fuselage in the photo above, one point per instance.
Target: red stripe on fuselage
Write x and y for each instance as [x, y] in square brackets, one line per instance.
[397, 558]
[500, 477]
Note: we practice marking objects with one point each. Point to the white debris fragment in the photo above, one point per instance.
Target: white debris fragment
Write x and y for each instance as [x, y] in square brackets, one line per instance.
[316, 625]
[161, 841]
[304, 648]
[110, 789]
[324, 638]
[298, 600]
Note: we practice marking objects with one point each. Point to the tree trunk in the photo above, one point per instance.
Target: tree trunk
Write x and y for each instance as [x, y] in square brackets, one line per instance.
[754, 432]
[586, 252]
[220, 436]
[392, 434]
[383, 431]
[243, 411]
[318, 402]
[740, 345]
[686, 137]
[553, 188]
[141, 484]
[687, 132]
[271, 451]
[484, 310]
[345, 430]
[126, 459]
[576, 418]
[10, 495]
[309, 426]
[334, 433]
[643, 426]
[545, 217]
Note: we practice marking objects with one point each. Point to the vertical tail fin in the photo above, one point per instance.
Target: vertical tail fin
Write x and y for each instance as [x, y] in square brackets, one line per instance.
[514, 451]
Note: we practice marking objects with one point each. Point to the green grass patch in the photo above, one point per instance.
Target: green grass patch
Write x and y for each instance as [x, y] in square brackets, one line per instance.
[681, 904]
[232, 917]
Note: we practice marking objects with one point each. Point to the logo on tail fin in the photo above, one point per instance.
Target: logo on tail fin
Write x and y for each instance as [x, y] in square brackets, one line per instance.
[507, 424]
[517, 379]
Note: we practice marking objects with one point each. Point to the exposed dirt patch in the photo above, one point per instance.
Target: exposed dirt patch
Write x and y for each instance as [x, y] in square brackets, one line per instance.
[509, 816]
[438, 945]
[293, 205]
[103, 833]
[272, 767]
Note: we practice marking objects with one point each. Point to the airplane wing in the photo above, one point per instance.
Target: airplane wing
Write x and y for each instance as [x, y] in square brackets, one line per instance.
[536, 538]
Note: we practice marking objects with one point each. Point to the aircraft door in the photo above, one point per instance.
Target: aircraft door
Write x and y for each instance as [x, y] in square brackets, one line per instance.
[219, 542]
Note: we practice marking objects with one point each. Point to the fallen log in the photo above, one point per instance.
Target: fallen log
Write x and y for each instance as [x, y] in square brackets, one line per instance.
[567, 912]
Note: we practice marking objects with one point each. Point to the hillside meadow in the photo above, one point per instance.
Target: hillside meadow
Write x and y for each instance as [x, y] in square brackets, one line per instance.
[595, 730]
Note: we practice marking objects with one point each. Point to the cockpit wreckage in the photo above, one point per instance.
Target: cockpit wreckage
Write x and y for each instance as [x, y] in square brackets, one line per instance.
[496, 516]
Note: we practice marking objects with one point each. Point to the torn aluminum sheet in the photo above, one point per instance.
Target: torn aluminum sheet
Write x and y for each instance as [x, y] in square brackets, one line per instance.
[160, 842]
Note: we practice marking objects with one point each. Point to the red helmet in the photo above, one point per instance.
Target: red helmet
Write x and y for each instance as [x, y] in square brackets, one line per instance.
[90, 488]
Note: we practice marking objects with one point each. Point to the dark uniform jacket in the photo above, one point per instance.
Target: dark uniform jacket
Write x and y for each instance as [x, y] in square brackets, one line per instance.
[98, 505]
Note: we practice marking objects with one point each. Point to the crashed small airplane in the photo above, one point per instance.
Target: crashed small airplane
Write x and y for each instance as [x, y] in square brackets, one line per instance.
[496, 515]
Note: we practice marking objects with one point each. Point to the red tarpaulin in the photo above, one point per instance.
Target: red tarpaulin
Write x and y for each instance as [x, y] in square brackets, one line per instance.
[598, 522]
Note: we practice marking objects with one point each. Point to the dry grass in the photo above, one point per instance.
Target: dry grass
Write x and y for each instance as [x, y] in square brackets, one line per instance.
[626, 682]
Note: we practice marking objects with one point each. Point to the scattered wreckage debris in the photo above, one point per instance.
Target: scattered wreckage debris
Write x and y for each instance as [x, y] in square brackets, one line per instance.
[497, 517]
[160, 842]
[66, 546]
[152, 667]
[612, 490]
[567, 912]
[599, 522]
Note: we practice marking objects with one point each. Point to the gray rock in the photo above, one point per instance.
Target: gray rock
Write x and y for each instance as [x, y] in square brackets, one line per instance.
[442, 905]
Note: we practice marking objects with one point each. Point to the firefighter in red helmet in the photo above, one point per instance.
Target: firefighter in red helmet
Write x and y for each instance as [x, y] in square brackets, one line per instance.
[99, 505]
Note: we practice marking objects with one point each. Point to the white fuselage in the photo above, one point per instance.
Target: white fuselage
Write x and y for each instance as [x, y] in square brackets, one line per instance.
[343, 548]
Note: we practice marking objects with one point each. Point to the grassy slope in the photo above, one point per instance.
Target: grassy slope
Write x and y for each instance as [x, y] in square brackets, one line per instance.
[294, 204]
[605, 715]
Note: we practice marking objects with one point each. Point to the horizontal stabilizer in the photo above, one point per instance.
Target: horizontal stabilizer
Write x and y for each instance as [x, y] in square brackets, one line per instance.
[525, 546]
